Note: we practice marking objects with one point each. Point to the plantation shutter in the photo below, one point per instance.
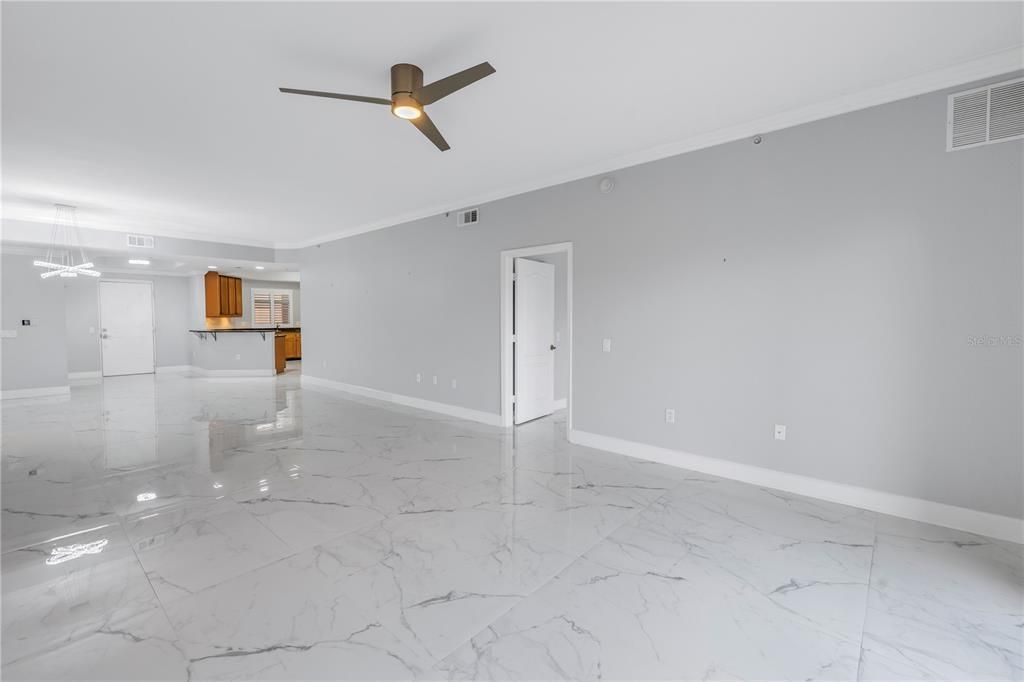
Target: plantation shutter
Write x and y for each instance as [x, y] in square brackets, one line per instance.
[282, 307]
[261, 308]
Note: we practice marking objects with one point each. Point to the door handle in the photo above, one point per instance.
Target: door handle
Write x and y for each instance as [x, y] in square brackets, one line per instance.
[104, 336]
[552, 346]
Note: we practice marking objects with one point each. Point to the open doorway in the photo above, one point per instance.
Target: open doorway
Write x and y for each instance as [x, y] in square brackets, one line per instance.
[536, 338]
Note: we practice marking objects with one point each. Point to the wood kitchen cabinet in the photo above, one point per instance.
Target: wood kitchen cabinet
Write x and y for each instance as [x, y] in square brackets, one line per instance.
[223, 295]
[279, 352]
[293, 345]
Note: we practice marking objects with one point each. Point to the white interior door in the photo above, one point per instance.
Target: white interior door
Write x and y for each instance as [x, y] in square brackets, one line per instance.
[534, 329]
[126, 327]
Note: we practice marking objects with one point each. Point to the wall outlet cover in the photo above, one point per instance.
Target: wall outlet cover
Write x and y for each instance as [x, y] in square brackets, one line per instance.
[670, 416]
[606, 345]
[780, 432]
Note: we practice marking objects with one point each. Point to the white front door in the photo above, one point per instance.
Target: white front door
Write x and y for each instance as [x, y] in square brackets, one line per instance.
[534, 329]
[126, 327]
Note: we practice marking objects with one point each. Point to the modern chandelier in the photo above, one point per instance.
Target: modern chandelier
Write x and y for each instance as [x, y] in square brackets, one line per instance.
[64, 243]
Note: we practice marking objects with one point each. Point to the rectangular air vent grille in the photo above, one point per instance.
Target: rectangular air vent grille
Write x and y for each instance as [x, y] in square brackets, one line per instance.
[994, 113]
[468, 217]
[140, 241]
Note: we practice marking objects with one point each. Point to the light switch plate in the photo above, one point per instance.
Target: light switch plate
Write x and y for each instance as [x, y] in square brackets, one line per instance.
[606, 345]
[780, 432]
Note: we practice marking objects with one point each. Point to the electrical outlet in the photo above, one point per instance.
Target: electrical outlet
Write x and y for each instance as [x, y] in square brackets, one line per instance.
[435, 380]
[454, 384]
[238, 356]
[606, 345]
[670, 416]
[419, 377]
[780, 432]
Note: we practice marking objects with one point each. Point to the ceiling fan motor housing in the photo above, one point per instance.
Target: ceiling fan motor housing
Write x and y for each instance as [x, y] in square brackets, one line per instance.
[405, 80]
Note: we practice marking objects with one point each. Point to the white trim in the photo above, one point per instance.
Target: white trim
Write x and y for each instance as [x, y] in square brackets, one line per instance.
[561, 403]
[960, 518]
[507, 258]
[35, 392]
[408, 401]
[166, 369]
[234, 372]
[990, 66]
[84, 375]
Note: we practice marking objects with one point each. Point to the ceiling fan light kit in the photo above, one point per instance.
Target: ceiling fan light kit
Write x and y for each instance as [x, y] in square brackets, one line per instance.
[409, 96]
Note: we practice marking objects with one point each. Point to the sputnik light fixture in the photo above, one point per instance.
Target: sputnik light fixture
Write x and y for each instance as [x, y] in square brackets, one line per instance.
[64, 242]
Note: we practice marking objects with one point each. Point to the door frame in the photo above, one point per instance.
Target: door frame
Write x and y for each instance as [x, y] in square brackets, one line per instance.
[99, 315]
[508, 257]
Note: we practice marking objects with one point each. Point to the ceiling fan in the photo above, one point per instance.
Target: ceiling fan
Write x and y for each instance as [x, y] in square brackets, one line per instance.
[409, 95]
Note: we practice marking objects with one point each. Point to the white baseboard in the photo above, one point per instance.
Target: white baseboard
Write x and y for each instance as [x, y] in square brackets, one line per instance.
[960, 518]
[35, 392]
[84, 375]
[561, 404]
[234, 372]
[164, 369]
[419, 403]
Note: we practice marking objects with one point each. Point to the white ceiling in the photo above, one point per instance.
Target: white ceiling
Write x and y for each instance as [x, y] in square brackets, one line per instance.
[165, 118]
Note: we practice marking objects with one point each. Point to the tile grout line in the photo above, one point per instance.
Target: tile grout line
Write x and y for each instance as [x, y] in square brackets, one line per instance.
[867, 599]
[565, 568]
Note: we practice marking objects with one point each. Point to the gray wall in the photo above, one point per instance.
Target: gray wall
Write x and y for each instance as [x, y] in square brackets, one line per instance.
[37, 356]
[233, 351]
[561, 263]
[830, 279]
[171, 313]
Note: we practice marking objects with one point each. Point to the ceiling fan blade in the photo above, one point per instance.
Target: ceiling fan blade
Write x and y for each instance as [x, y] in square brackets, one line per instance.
[432, 92]
[428, 128]
[337, 95]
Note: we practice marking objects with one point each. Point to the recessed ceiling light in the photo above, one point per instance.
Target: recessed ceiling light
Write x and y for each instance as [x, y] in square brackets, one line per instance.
[211, 267]
[137, 261]
[259, 267]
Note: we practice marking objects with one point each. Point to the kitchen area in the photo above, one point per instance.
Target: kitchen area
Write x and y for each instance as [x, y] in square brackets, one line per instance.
[251, 327]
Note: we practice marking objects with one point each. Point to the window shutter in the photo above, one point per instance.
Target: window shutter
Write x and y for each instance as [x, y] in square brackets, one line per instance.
[261, 308]
[282, 308]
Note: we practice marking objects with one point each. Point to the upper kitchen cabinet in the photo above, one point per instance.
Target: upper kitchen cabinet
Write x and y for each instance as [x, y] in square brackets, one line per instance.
[223, 295]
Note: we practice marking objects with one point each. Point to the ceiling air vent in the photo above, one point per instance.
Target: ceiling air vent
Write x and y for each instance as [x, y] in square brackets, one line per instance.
[470, 216]
[140, 241]
[994, 113]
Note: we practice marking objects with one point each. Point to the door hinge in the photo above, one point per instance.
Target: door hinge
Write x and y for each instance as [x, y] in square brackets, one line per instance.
[514, 338]
[515, 276]
[513, 400]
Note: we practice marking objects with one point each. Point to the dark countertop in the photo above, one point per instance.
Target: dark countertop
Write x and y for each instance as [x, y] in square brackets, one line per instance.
[236, 330]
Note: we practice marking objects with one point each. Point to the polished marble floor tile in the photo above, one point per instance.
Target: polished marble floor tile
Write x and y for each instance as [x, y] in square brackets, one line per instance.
[943, 605]
[180, 527]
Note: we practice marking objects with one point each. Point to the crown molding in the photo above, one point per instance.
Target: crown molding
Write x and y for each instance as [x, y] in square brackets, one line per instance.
[990, 66]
